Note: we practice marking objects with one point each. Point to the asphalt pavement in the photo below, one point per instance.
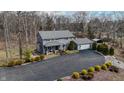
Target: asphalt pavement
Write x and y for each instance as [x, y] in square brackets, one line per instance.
[53, 68]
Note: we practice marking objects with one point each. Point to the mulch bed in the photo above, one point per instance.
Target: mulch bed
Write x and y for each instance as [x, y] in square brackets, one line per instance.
[102, 76]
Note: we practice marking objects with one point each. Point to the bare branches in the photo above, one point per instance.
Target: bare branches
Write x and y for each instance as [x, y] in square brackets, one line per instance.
[19, 28]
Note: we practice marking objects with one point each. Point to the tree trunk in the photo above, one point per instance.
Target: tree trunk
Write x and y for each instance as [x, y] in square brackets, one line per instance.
[6, 40]
[20, 45]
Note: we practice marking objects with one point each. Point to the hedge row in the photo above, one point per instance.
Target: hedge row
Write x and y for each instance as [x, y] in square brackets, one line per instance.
[103, 48]
[89, 74]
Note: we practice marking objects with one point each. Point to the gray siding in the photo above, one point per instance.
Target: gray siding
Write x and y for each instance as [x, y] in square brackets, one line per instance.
[40, 47]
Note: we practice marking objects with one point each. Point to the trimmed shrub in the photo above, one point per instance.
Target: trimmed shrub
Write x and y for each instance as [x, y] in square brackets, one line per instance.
[19, 62]
[105, 50]
[15, 62]
[91, 69]
[37, 58]
[111, 51]
[42, 57]
[11, 63]
[3, 65]
[62, 52]
[89, 76]
[94, 46]
[85, 77]
[97, 68]
[108, 64]
[32, 59]
[84, 72]
[104, 67]
[75, 75]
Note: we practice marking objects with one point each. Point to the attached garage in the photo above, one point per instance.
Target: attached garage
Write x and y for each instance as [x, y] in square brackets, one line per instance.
[83, 43]
[82, 47]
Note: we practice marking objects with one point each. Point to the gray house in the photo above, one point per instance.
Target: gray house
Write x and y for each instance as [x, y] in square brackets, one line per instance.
[48, 41]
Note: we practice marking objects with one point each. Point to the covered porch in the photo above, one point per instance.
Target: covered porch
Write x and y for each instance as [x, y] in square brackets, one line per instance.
[53, 49]
[52, 46]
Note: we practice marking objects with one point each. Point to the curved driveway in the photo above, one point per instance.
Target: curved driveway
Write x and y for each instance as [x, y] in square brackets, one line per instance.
[53, 68]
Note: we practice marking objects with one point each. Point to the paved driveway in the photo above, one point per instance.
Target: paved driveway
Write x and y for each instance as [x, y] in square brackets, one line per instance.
[53, 68]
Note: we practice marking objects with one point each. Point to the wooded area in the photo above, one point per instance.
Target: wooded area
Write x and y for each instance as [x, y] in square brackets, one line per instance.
[18, 29]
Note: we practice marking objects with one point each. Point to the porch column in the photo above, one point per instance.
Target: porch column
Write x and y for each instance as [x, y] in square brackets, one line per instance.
[46, 50]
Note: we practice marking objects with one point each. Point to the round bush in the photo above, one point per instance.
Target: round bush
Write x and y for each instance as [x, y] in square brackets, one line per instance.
[84, 72]
[104, 67]
[27, 60]
[97, 68]
[42, 57]
[91, 69]
[32, 59]
[85, 77]
[108, 64]
[11, 63]
[15, 62]
[90, 75]
[75, 75]
[19, 62]
[37, 58]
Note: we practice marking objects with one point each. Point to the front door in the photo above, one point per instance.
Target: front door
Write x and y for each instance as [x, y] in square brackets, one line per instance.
[56, 47]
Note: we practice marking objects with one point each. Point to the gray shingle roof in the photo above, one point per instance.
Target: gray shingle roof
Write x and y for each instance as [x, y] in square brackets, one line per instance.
[52, 43]
[64, 41]
[80, 41]
[55, 34]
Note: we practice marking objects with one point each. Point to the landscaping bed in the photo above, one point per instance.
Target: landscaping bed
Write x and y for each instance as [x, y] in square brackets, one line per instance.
[105, 72]
[101, 76]
[71, 51]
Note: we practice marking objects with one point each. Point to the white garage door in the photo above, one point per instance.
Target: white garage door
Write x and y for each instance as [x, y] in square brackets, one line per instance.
[82, 47]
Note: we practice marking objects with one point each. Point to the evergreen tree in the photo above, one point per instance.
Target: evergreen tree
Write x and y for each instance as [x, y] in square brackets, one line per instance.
[103, 48]
[98, 48]
[72, 46]
[111, 51]
[94, 46]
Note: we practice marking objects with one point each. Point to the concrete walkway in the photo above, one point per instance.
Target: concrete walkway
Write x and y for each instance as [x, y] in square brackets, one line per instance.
[115, 61]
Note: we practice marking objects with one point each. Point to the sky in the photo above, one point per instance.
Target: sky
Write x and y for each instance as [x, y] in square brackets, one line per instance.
[92, 13]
